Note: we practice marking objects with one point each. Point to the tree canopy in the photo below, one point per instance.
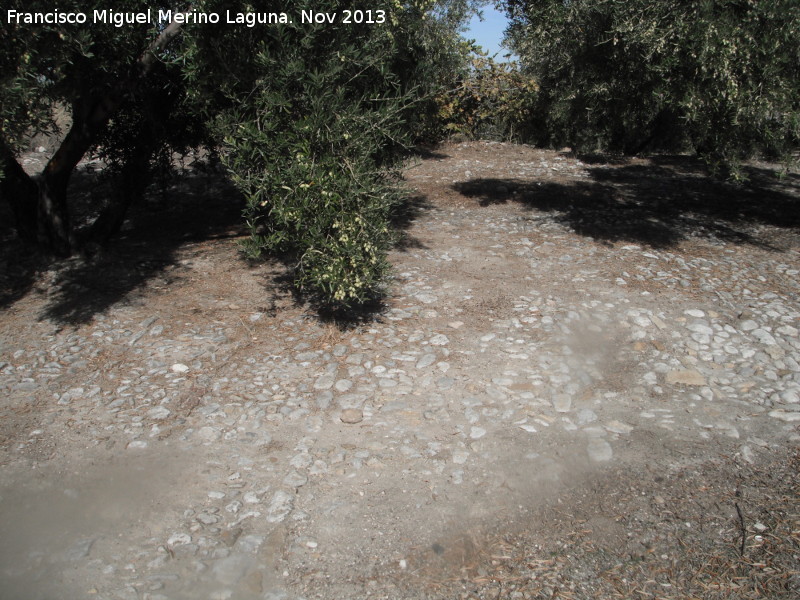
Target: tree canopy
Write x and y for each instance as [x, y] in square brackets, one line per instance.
[123, 92]
[721, 76]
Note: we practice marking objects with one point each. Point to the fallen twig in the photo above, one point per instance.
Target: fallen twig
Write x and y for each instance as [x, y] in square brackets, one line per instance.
[742, 528]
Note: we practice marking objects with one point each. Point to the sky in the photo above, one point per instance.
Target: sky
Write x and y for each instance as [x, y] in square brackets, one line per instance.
[489, 33]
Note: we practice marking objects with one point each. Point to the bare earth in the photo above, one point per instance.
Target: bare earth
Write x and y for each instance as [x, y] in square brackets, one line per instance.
[585, 383]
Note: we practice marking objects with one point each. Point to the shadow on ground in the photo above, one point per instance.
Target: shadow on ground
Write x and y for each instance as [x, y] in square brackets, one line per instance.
[403, 218]
[196, 207]
[656, 203]
[429, 152]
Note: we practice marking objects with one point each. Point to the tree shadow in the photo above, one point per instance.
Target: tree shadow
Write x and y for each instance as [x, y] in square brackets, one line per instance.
[599, 159]
[196, 207]
[656, 204]
[23, 265]
[429, 153]
[19, 264]
[403, 217]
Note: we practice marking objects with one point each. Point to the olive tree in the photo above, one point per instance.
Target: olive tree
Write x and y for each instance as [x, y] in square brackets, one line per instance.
[317, 118]
[122, 93]
[720, 76]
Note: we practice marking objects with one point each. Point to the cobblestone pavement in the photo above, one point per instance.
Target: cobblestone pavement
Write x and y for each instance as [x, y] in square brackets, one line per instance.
[206, 438]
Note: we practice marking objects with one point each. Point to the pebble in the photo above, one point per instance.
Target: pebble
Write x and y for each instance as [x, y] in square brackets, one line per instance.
[251, 498]
[325, 382]
[159, 413]
[178, 539]
[426, 361]
[790, 396]
[295, 480]
[783, 415]
[343, 385]
[748, 325]
[301, 461]
[352, 416]
[685, 377]
[439, 340]
[562, 403]
[280, 506]
[615, 426]
[763, 337]
[477, 433]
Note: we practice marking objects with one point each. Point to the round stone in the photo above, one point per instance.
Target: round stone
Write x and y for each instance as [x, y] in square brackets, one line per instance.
[158, 413]
[351, 416]
[295, 480]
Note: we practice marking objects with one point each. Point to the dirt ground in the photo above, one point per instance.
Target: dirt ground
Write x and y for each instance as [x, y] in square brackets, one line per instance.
[675, 514]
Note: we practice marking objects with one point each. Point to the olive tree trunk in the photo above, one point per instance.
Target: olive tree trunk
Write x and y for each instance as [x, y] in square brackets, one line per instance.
[39, 204]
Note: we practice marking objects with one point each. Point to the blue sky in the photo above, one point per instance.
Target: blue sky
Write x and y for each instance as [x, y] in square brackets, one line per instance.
[489, 33]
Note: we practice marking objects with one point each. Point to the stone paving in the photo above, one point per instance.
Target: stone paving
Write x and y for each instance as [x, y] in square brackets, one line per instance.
[245, 453]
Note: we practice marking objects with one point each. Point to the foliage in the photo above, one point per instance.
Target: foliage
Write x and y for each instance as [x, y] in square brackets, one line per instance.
[309, 151]
[723, 76]
[491, 101]
[73, 66]
[125, 99]
[443, 60]
[318, 118]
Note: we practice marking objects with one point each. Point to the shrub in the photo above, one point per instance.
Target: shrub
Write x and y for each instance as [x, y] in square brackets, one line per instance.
[491, 101]
[314, 152]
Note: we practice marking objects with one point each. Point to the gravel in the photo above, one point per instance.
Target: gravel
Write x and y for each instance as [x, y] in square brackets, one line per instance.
[267, 454]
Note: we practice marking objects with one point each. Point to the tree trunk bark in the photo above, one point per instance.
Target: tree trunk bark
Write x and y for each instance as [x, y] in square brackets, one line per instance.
[21, 192]
[55, 230]
[54, 226]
